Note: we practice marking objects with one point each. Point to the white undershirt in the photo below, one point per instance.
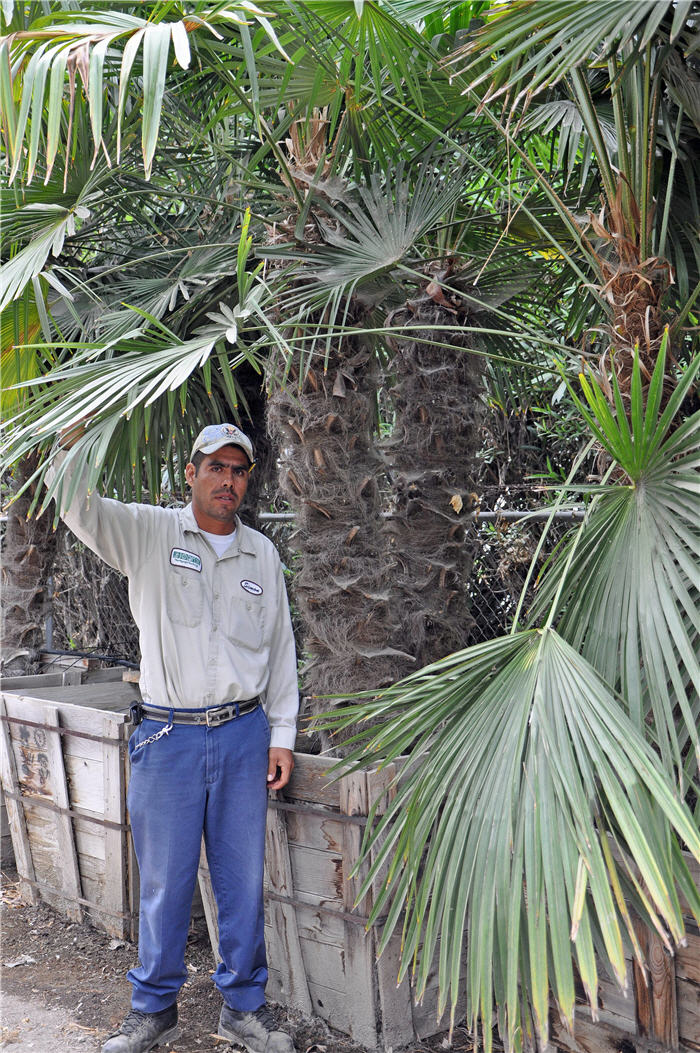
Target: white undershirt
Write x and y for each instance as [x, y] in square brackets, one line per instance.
[219, 542]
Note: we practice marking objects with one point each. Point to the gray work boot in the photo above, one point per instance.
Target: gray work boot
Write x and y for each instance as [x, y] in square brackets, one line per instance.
[255, 1031]
[142, 1031]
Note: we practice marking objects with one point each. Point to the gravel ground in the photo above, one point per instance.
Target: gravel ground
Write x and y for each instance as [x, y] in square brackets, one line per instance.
[64, 990]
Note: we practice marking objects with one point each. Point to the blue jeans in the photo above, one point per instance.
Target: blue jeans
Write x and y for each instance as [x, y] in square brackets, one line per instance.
[196, 780]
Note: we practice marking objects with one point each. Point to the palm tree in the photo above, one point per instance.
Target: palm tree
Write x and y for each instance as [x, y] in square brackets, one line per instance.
[530, 755]
[531, 814]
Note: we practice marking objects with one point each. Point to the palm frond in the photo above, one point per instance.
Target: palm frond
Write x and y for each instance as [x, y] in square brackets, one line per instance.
[108, 48]
[637, 555]
[521, 766]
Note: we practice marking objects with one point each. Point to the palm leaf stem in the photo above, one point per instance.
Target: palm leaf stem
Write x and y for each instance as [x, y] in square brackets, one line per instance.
[649, 122]
[592, 126]
[578, 461]
[661, 247]
[347, 330]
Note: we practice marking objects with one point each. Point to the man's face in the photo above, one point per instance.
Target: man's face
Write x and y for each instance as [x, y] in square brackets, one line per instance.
[218, 488]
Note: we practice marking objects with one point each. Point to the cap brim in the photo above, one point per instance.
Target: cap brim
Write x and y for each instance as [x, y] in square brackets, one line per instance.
[212, 447]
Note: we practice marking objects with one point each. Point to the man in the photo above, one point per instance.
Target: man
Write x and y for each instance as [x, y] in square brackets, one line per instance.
[217, 729]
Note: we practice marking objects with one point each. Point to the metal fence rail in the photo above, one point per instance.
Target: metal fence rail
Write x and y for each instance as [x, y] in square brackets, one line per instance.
[90, 604]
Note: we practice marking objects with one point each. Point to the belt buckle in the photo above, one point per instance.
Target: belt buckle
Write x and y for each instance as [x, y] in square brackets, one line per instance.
[220, 715]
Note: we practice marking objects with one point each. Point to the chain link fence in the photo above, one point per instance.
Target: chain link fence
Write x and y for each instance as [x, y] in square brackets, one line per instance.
[90, 600]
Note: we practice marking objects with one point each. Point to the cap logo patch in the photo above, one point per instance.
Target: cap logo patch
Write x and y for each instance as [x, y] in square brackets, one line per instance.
[180, 557]
[252, 587]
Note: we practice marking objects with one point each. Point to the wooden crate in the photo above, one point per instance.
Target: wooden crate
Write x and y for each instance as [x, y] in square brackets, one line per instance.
[321, 959]
[64, 775]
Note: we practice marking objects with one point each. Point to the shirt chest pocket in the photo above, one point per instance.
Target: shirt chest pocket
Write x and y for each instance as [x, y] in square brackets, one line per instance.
[247, 623]
[185, 597]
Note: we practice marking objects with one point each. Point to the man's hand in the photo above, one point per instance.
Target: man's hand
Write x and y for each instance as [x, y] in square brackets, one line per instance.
[279, 767]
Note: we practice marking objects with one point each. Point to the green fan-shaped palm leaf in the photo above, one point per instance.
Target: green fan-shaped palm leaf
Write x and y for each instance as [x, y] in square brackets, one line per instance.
[629, 596]
[522, 771]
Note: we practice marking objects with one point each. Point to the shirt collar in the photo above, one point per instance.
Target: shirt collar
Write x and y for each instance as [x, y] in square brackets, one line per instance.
[242, 542]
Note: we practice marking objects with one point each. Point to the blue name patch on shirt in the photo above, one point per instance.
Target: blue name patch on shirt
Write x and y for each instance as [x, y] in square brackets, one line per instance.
[180, 557]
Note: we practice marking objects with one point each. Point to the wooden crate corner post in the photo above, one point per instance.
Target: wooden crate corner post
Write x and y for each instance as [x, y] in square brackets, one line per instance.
[395, 998]
[360, 954]
[285, 944]
[15, 812]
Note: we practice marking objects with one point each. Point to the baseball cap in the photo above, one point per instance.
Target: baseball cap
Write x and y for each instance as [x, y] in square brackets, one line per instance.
[214, 436]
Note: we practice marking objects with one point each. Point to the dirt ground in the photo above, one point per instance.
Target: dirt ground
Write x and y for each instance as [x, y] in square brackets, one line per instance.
[64, 990]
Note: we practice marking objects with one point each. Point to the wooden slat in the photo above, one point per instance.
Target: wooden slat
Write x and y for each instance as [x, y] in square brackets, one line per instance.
[655, 994]
[114, 696]
[361, 989]
[65, 839]
[688, 961]
[115, 898]
[209, 903]
[310, 781]
[24, 684]
[285, 947]
[15, 814]
[589, 1037]
[688, 998]
[395, 1000]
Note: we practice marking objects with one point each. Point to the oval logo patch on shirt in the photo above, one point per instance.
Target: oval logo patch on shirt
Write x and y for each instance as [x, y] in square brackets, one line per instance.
[252, 587]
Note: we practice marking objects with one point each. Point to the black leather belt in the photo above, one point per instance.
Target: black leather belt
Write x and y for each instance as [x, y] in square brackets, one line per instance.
[211, 717]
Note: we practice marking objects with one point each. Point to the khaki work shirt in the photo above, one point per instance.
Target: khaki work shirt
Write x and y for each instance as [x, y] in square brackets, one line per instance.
[212, 629]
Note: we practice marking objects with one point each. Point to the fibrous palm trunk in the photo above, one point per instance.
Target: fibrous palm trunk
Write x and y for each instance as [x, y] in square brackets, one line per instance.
[28, 554]
[431, 453]
[330, 473]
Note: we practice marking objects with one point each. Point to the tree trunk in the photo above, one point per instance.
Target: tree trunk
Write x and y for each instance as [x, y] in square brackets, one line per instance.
[330, 474]
[431, 454]
[29, 548]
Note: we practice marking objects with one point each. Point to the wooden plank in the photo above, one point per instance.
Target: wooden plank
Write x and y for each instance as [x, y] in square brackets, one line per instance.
[360, 977]
[310, 781]
[688, 959]
[324, 963]
[114, 798]
[65, 840]
[80, 718]
[688, 997]
[314, 831]
[285, 946]
[209, 903]
[22, 684]
[109, 675]
[587, 1036]
[115, 696]
[15, 813]
[327, 1003]
[395, 998]
[320, 873]
[655, 994]
[314, 925]
[7, 856]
